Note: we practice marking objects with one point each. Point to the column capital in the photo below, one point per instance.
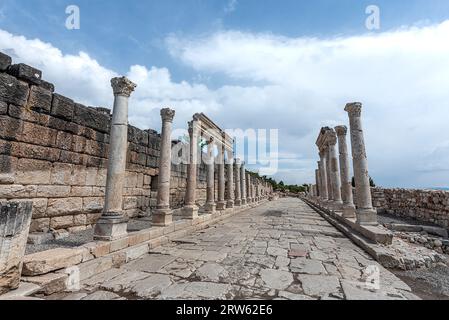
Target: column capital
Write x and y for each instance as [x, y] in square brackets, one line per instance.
[238, 162]
[167, 114]
[354, 109]
[341, 130]
[122, 86]
[331, 137]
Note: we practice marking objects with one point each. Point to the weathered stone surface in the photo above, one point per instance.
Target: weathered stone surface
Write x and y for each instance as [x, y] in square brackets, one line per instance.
[318, 286]
[102, 295]
[15, 221]
[26, 73]
[39, 99]
[196, 290]
[150, 287]
[5, 61]
[49, 283]
[62, 107]
[307, 266]
[91, 118]
[276, 279]
[51, 260]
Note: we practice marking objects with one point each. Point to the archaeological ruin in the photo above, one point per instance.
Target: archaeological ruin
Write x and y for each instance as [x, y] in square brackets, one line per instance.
[92, 207]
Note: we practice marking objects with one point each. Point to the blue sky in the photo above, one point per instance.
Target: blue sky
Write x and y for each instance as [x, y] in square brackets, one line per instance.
[285, 64]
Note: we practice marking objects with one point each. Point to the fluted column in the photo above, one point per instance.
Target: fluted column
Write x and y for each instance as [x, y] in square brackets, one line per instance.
[230, 182]
[238, 190]
[113, 224]
[243, 182]
[323, 175]
[345, 176]
[366, 214]
[334, 170]
[221, 204]
[162, 216]
[210, 179]
[190, 210]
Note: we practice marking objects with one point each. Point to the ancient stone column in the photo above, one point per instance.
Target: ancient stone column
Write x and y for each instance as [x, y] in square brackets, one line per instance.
[323, 175]
[162, 216]
[113, 224]
[221, 204]
[317, 182]
[15, 220]
[334, 170]
[248, 188]
[366, 214]
[330, 194]
[243, 182]
[238, 190]
[346, 184]
[230, 183]
[190, 210]
[210, 205]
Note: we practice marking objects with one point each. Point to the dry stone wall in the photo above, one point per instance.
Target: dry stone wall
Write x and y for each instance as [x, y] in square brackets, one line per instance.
[423, 205]
[53, 152]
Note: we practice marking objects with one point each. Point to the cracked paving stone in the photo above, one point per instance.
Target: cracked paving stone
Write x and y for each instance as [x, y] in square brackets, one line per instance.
[102, 295]
[197, 290]
[118, 283]
[211, 272]
[276, 279]
[149, 287]
[318, 286]
[307, 266]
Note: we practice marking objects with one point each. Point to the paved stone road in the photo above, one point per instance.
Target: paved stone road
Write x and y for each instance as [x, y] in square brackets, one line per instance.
[280, 250]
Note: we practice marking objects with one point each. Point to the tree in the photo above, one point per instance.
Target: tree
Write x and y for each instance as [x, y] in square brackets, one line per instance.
[371, 182]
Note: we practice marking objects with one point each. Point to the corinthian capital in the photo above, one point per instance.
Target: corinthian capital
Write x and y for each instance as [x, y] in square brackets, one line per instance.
[354, 109]
[167, 115]
[122, 86]
[331, 137]
[341, 130]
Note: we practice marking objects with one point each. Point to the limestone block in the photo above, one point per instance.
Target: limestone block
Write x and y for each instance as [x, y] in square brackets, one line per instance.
[93, 204]
[91, 118]
[37, 134]
[49, 283]
[40, 225]
[63, 140]
[40, 99]
[10, 128]
[18, 191]
[61, 222]
[31, 151]
[64, 206]
[81, 191]
[52, 191]
[61, 173]
[15, 219]
[5, 61]
[12, 90]
[39, 207]
[101, 178]
[26, 73]
[3, 107]
[80, 220]
[30, 171]
[130, 203]
[51, 260]
[91, 176]
[62, 107]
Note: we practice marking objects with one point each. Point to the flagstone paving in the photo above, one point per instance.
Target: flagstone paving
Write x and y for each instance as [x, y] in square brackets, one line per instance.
[279, 250]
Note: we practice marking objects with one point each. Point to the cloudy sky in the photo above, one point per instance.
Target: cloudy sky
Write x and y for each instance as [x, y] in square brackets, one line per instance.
[286, 64]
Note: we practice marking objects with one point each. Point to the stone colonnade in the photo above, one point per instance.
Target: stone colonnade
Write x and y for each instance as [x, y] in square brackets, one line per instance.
[237, 189]
[333, 183]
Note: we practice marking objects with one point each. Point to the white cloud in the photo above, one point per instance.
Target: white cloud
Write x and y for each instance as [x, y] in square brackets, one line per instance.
[400, 76]
[296, 85]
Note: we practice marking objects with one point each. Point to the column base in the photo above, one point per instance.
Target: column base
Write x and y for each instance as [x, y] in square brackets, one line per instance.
[238, 203]
[243, 202]
[367, 217]
[109, 228]
[221, 205]
[210, 207]
[162, 217]
[337, 206]
[230, 204]
[190, 212]
[349, 211]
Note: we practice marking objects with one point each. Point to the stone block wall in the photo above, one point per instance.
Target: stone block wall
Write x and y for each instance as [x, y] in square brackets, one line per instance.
[423, 205]
[53, 152]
